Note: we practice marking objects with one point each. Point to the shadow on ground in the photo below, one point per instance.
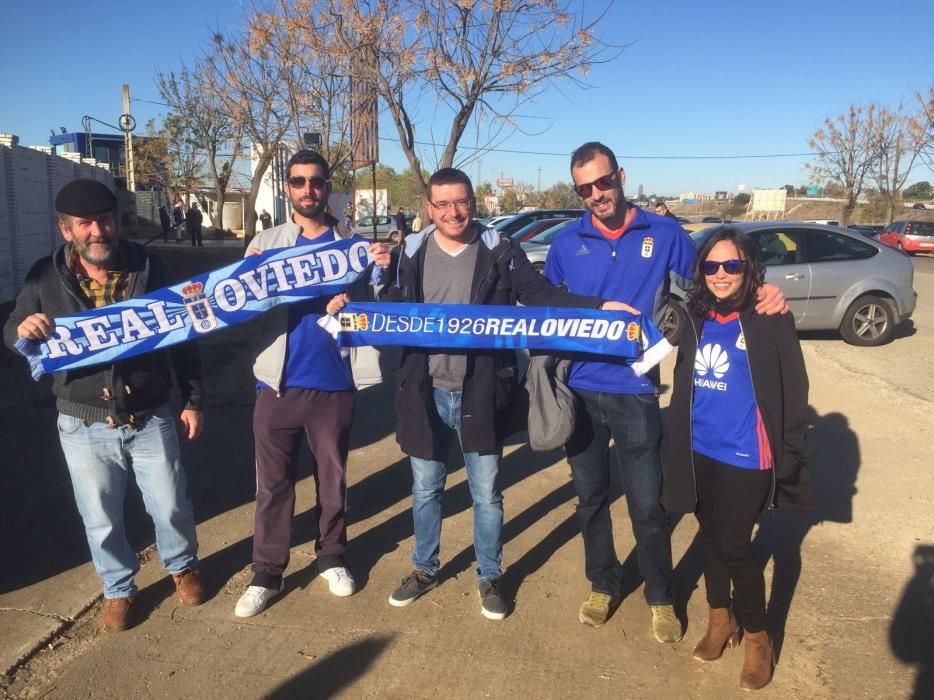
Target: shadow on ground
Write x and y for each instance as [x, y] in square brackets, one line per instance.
[834, 465]
[328, 676]
[912, 632]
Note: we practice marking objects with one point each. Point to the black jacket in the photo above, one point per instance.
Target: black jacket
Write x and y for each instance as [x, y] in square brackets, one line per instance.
[780, 383]
[136, 385]
[503, 276]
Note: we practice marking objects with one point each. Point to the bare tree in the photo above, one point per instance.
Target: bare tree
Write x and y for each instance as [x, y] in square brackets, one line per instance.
[316, 85]
[165, 158]
[896, 141]
[845, 153]
[243, 74]
[209, 126]
[923, 125]
[479, 60]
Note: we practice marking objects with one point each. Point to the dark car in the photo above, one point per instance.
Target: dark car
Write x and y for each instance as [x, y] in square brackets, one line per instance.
[711, 220]
[918, 205]
[533, 228]
[510, 226]
[868, 230]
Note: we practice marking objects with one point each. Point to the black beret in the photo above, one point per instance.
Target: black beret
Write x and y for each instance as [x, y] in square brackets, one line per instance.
[85, 197]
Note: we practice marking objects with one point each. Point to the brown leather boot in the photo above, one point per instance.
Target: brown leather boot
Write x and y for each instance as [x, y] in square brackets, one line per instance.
[117, 614]
[721, 631]
[757, 667]
[189, 587]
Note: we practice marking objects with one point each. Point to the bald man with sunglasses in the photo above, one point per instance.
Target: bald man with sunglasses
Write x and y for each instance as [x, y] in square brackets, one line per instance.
[618, 251]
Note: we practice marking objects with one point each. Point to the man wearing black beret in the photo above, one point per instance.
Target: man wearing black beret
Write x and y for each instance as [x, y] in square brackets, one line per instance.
[117, 416]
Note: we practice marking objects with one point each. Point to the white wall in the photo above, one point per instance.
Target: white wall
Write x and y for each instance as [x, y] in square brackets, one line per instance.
[29, 181]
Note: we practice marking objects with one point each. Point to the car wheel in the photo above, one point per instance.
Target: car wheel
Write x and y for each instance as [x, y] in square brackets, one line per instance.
[902, 249]
[869, 321]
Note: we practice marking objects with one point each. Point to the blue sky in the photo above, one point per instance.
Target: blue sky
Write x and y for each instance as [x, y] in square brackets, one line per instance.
[698, 79]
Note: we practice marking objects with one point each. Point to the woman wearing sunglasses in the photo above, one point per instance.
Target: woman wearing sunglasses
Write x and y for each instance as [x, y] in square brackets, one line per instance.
[735, 441]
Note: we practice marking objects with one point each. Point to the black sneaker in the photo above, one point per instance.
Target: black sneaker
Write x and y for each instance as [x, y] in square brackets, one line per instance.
[492, 604]
[412, 586]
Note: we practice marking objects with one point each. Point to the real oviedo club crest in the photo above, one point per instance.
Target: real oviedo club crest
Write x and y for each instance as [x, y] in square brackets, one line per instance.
[199, 308]
[647, 244]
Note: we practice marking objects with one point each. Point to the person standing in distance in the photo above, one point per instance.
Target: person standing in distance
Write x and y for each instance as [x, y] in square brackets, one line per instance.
[116, 417]
[621, 252]
[304, 390]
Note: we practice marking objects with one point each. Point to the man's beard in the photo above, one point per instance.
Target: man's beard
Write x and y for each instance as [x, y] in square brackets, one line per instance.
[98, 258]
[309, 211]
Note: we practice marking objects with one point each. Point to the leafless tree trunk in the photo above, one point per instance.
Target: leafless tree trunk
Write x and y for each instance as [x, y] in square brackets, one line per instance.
[896, 143]
[845, 153]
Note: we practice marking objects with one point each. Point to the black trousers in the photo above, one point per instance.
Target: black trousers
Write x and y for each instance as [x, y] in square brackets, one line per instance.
[729, 499]
[323, 419]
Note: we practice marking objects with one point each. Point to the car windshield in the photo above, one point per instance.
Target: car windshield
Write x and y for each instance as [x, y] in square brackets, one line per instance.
[920, 228]
[501, 224]
[698, 237]
[548, 235]
[539, 225]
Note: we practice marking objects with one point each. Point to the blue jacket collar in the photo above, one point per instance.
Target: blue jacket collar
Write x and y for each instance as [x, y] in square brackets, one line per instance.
[489, 236]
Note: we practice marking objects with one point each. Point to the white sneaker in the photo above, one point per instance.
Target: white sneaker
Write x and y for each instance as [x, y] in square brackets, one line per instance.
[339, 581]
[255, 600]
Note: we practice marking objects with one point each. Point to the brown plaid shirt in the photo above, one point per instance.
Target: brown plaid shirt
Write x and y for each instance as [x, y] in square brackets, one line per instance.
[113, 289]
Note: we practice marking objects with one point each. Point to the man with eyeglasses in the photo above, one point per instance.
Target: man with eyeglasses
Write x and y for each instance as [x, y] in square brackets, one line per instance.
[616, 250]
[467, 395]
[304, 389]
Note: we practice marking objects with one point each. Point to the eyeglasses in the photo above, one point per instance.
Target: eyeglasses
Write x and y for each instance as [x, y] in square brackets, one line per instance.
[730, 267]
[601, 183]
[298, 182]
[459, 204]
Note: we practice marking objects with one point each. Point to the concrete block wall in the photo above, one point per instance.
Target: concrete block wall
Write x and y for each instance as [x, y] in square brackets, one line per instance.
[29, 180]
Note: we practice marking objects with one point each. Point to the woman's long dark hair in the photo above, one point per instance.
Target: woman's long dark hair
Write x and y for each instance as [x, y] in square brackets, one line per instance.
[701, 300]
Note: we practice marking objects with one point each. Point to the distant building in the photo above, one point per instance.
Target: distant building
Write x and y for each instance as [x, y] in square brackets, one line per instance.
[108, 149]
[641, 193]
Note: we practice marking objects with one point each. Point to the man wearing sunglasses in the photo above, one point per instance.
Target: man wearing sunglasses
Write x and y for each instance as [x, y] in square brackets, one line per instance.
[304, 390]
[618, 251]
[466, 395]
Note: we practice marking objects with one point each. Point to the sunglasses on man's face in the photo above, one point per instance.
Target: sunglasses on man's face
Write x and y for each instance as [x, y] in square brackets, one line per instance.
[601, 183]
[730, 267]
[298, 182]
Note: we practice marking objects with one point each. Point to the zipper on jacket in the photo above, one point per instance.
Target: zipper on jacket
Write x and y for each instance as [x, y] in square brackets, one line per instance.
[755, 395]
[691, 406]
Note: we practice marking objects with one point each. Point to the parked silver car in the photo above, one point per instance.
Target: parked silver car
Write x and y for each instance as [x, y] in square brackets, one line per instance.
[386, 228]
[833, 279]
[536, 249]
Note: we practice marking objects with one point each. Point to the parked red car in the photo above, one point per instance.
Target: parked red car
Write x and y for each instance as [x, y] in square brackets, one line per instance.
[910, 236]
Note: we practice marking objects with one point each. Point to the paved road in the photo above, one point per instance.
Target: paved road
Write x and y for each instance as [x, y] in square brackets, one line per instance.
[846, 596]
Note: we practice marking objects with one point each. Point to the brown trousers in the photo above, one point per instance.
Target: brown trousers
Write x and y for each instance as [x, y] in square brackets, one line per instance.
[279, 424]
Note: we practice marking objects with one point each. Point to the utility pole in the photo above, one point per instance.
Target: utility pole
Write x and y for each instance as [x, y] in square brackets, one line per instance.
[127, 122]
[539, 178]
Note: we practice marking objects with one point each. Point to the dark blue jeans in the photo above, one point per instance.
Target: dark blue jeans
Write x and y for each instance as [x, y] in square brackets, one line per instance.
[633, 421]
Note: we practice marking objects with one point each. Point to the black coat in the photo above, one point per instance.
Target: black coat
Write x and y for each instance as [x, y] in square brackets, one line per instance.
[780, 383]
[503, 276]
[134, 385]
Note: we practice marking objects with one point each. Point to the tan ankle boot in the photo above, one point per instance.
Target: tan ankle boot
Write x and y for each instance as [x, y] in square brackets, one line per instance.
[721, 630]
[757, 667]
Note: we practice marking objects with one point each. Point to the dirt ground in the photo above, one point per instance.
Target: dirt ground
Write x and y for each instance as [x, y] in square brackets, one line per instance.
[851, 586]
